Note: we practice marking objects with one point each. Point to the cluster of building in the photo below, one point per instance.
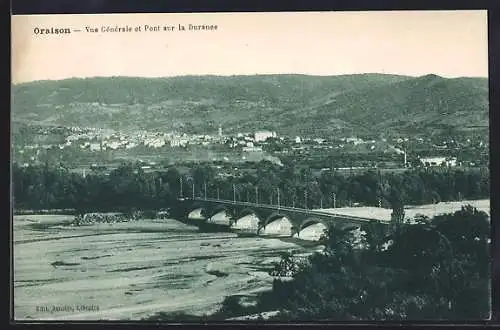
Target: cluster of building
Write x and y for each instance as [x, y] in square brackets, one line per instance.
[99, 141]
[250, 142]
[438, 161]
[95, 140]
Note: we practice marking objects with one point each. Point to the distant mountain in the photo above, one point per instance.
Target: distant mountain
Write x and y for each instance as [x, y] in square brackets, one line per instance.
[289, 104]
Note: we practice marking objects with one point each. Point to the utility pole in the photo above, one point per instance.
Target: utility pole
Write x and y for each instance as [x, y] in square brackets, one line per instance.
[321, 203]
[218, 193]
[334, 200]
[180, 183]
[234, 193]
[192, 184]
[293, 201]
[278, 189]
[305, 199]
[256, 195]
[205, 186]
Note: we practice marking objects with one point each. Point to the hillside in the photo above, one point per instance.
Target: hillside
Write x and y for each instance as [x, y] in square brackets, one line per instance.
[290, 104]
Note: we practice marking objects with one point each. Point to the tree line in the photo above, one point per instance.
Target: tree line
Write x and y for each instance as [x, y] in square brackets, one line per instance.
[49, 186]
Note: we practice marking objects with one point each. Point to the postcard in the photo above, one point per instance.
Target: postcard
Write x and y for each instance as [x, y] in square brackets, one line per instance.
[290, 166]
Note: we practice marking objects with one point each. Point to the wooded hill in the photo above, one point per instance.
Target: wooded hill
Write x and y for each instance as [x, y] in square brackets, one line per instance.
[289, 104]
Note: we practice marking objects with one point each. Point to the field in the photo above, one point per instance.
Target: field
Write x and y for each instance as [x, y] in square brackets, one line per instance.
[429, 210]
[129, 271]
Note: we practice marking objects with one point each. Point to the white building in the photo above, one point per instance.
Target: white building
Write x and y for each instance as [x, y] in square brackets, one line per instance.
[263, 135]
[113, 145]
[154, 142]
[439, 161]
[252, 149]
[130, 145]
[95, 146]
[175, 142]
[354, 140]
[178, 142]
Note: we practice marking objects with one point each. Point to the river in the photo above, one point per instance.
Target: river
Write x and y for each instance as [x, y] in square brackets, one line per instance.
[134, 270]
[130, 271]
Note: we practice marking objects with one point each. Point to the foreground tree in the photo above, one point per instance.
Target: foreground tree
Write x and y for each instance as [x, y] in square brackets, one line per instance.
[433, 269]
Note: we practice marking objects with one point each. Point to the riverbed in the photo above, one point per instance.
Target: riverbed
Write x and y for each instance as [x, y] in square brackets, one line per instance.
[130, 271]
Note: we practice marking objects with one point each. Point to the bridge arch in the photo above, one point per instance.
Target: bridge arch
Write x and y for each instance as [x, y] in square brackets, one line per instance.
[313, 234]
[196, 213]
[214, 215]
[217, 209]
[241, 213]
[193, 205]
[247, 211]
[283, 229]
[274, 216]
[246, 220]
[196, 205]
[312, 221]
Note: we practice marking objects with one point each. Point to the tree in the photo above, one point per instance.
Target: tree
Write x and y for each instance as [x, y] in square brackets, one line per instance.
[338, 242]
[288, 266]
[468, 230]
[202, 175]
[397, 203]
[375, 236]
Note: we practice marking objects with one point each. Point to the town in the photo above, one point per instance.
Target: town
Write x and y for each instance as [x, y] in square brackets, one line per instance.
[92, 148]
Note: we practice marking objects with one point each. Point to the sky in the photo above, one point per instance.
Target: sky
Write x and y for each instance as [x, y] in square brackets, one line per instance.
[415, 43]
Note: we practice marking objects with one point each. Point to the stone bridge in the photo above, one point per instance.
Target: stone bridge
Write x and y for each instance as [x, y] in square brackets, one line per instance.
[257, 218]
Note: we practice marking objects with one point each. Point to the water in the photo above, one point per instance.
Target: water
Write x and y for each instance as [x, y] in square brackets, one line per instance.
[129, 271]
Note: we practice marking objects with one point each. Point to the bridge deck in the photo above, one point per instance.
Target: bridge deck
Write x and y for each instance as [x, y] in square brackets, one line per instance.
[284, 208]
